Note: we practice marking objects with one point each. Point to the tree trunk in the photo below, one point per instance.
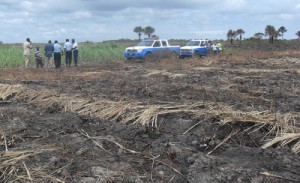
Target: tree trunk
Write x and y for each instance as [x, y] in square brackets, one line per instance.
[272, 39]
[240, 38]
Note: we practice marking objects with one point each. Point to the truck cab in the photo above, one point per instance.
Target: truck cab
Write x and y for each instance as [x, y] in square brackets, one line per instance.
[194, 48]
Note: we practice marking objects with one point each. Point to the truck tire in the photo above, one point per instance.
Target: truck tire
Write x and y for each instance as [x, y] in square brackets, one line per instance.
[173, 55]
[197, 55]
[149, 57]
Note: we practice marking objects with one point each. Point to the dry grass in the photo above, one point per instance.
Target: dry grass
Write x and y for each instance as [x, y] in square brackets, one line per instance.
[148, 115]
[13, 167]
[281, 128]
[164, 73]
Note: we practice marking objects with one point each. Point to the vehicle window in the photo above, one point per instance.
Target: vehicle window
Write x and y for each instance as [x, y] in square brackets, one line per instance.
[145, 43]
[156, 44]
[193, 43]
[164, 43]
[202, 43]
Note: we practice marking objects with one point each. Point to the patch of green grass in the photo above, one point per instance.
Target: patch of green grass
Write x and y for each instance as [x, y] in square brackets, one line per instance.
[12, 55]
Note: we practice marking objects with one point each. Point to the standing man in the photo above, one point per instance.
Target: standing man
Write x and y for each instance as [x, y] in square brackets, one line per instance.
[48, 53]
[58, 52]
[27, 46]
[38, 58]
[215, 48]
[208, 47]
[220, 46]
[75, 51]
[68, 52]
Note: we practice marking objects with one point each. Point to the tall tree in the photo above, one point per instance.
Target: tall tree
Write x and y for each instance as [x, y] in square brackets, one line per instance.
[231, 35]
[271, 32]
[139, 30]
[240, 32]
[258, 35]
[298, 34]
[282, 30]
[149, 30]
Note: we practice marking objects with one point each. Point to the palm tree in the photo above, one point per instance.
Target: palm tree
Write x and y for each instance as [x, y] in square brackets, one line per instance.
[271, 32]
[240, 32]
[139, 31]
[231, 35]
[258, 35]
[298, 34]
[282, 30]
[149, 30]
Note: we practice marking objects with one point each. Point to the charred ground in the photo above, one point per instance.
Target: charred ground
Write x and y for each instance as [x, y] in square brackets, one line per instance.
[185, 121]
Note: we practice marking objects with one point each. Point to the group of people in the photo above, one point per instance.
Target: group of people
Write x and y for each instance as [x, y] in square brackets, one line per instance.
[216, 48]
[70, 49]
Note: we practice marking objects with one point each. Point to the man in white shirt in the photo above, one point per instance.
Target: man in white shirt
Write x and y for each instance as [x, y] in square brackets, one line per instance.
[27, 46]
[75, 51]
[68, 52]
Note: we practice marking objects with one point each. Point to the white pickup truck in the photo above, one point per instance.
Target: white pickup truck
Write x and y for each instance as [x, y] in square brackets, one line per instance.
[194, 48]
[150, 49]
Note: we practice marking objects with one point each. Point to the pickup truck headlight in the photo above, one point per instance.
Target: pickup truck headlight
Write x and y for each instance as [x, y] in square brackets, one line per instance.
[139, 50]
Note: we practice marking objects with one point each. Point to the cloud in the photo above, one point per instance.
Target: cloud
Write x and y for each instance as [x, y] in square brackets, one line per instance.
[231, 6]
[115, 19]
[81, 14]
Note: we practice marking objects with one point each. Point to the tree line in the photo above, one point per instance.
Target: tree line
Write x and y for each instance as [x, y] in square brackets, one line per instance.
[270, 32]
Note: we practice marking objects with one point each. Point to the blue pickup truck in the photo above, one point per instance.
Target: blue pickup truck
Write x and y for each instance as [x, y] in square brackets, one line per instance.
[151, 49]
[194, 48]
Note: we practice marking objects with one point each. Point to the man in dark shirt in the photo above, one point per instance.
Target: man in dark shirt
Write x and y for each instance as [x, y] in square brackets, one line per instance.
[49, 49]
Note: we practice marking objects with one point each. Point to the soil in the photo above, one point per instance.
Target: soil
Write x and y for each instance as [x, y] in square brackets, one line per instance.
[51, 140]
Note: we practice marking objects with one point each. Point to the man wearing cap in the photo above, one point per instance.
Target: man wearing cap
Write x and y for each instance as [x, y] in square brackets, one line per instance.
[27, 46]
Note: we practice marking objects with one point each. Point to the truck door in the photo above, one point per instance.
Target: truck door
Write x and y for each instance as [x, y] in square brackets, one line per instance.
[165, 50]
[157, 48]
[203, 49]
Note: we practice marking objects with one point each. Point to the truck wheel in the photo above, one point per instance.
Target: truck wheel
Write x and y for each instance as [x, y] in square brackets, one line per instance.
[197, 55]
[173, 56]
[149, 57]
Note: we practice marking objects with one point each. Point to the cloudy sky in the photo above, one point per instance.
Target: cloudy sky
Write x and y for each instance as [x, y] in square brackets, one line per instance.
[98, 20]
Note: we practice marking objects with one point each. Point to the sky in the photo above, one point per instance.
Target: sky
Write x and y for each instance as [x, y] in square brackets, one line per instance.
[101, 20]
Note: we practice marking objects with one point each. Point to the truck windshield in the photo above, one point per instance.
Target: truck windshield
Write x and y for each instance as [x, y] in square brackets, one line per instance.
[145, 43]
[193, 43]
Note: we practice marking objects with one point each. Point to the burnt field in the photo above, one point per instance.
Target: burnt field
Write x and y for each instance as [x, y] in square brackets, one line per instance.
[230, 118]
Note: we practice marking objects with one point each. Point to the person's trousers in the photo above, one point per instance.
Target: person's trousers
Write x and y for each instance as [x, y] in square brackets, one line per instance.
[75, 55]
[39, 63]
[68, 58]
[57, 60]
[27, 59]
[48, 62]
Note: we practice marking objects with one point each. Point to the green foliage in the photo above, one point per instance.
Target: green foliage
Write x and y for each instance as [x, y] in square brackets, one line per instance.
[149, 30]
[139, 30]
[12, 55]
[298, 34]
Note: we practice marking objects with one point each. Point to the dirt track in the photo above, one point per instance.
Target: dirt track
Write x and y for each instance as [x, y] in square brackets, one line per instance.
[188, 121]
